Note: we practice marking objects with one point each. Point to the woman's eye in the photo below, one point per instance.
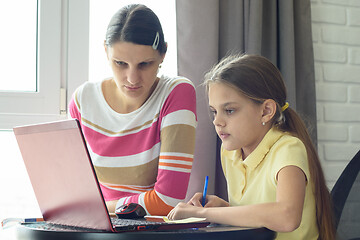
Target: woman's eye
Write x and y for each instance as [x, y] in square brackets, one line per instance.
[144, 64]
[120, 63]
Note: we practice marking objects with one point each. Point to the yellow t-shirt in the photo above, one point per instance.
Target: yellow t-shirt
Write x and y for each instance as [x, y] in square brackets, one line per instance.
[253, 180]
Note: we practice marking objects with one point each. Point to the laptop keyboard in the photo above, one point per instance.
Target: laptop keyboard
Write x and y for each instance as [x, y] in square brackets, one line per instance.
[45, 226]
[132, 222]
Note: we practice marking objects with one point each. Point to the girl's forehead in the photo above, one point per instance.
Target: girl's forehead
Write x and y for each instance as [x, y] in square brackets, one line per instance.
[224, 89]
[220, 93]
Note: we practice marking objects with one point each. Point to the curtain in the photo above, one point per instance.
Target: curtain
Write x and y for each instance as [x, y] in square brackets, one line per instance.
[207, 30]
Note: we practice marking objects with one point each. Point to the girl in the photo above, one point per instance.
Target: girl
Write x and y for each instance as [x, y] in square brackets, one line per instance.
[140, 127]
[273, 173]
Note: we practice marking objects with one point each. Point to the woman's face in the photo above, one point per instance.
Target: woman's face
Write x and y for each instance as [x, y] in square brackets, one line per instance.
[135, 69]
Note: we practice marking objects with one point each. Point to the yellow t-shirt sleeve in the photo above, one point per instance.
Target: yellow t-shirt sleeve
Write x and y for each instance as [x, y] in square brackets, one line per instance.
[290, 151]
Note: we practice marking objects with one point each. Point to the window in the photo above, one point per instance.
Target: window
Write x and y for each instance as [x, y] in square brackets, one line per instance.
[61, 63]
[18, 48]
[35, 96]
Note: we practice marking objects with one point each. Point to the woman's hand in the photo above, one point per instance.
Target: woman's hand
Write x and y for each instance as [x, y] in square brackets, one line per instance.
[111, 205]
[210, 201]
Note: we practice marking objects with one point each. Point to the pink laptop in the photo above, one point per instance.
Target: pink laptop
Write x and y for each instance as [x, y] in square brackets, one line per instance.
[65, 183]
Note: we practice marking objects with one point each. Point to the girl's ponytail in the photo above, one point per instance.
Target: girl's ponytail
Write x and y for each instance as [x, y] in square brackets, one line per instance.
[324, 214]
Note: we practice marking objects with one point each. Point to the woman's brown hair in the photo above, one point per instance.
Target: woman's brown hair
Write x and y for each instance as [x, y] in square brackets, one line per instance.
[257, 78]
[137, 24]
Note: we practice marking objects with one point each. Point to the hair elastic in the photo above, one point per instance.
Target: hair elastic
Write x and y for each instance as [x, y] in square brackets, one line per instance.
[156, 41]
[283, 108]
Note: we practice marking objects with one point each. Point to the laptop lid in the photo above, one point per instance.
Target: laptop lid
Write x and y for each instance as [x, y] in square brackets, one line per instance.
[62, 175]
[64, 180]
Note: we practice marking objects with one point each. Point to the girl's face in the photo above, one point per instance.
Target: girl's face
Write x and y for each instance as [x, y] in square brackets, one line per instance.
[237, 119]
[135, 70]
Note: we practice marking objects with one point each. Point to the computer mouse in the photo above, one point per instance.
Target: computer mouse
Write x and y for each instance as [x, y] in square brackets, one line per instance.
[130, 210]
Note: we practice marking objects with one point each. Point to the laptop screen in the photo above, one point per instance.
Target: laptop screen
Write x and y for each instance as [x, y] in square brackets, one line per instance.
[64, 182]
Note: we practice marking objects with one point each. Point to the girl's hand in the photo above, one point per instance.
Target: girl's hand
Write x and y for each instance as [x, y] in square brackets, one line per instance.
[183, 210]
[210, 201]
[194, 208]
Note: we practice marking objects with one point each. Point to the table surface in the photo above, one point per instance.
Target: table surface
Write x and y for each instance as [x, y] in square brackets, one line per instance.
[8, 234]
[29, 232]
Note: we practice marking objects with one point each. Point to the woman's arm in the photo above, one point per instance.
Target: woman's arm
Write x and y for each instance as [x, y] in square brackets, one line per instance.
[174, 168]
[284, 215]
[177, 123]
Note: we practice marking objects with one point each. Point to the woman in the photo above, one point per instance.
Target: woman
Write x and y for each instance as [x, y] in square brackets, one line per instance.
[140, 128]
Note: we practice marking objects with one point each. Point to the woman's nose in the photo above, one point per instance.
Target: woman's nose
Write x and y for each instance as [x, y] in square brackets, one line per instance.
[133, 76]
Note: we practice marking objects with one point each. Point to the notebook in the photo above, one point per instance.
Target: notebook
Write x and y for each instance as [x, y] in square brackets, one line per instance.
[65, 183]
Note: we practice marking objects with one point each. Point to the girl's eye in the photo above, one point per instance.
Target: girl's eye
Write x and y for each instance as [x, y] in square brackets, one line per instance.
[212, 114]
[229, 111]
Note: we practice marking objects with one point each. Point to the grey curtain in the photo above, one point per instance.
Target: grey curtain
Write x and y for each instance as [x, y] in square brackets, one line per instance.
[207, 30]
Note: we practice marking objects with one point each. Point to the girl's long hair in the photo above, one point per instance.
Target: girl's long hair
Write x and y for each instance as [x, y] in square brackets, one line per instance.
[257, 78]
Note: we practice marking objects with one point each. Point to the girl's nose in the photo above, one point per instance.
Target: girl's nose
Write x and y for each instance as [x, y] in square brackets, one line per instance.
[218, 121]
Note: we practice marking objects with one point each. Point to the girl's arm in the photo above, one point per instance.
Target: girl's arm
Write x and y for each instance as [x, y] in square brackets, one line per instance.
[284, 215]
[211, 201]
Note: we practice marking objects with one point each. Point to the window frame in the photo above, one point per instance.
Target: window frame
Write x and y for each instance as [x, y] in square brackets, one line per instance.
[62, 65]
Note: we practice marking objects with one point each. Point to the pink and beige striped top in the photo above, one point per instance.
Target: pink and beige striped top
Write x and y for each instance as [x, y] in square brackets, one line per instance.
[144, 156]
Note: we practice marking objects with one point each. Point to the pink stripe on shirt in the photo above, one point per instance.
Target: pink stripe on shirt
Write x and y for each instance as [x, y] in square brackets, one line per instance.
[176, 101]
[174, 182]
[110, 194]
[109, 146]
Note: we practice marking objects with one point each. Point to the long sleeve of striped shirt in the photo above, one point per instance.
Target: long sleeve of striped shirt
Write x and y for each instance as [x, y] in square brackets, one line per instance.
[144, 156]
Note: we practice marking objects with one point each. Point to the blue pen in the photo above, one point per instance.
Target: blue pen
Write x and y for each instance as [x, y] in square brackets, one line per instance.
[205, 190]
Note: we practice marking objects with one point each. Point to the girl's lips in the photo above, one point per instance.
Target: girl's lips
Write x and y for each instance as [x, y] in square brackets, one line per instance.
[224, 135]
